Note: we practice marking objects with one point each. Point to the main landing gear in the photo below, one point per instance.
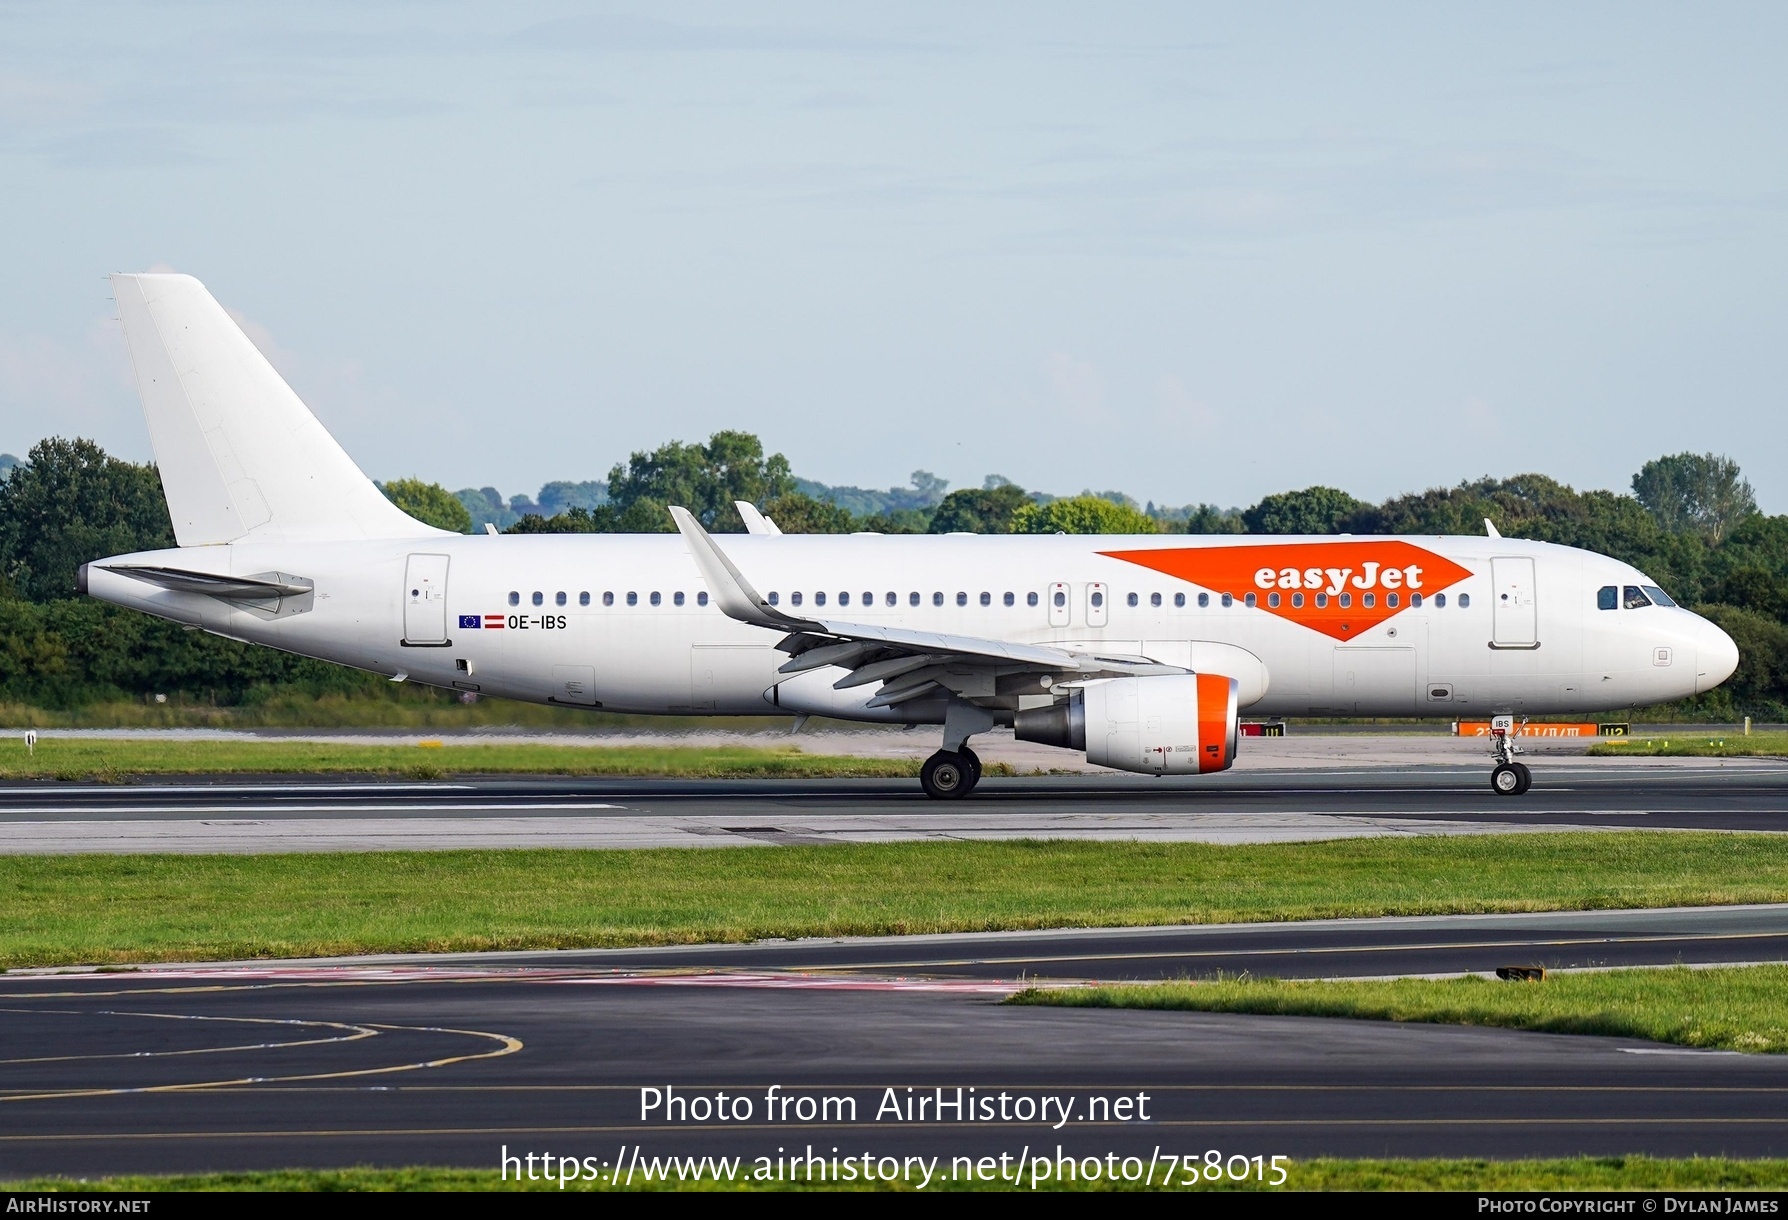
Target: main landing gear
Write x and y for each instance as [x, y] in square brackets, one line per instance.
[950, 774]
[1509, 778]
[953, 771]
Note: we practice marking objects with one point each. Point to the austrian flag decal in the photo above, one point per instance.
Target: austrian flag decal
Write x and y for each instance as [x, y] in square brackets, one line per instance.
[1339, 588]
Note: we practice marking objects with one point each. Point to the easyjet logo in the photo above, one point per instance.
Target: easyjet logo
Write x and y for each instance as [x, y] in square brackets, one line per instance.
[1338, 588]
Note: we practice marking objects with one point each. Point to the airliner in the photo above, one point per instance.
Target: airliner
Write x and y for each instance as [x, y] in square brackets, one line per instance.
[1140, 652]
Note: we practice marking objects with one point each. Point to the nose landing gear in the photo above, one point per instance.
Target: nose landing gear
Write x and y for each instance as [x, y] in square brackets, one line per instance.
[1508, 778]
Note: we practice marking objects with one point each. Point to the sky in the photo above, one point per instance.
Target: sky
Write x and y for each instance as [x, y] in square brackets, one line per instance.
[1195, 252]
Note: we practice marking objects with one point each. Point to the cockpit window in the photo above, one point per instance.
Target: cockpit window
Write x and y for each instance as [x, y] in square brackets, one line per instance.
[1657, 595]
[1633, 598]
[1607, 597]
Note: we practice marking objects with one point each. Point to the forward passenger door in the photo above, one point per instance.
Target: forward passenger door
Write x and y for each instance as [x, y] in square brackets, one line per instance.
[1514, 617]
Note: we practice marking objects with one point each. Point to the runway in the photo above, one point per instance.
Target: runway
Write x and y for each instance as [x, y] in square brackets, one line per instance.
[1291, 803]
[450, 1060]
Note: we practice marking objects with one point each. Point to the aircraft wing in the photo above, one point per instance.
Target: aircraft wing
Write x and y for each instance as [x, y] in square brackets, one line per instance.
[906, 662]
[755, 522]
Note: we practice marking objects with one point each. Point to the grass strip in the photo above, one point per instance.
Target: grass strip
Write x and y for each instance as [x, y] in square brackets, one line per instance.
[1695, 745]
[113, 760]
[1740, 1008]
[57, 910]
[1577, 1173]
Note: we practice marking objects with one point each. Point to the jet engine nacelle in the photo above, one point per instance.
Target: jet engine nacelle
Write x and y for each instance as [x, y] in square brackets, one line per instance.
[1170, 724]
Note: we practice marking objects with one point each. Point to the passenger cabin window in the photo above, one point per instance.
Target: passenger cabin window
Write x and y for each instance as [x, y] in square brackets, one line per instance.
[1415, 599]
[1249, 601]
[1392, 600]
[514, 598]
[1465, 601]
[1061, 599]
[539, 598]
[794, 599]
[1346, 600]
[987, 599]
[819, 599]
[1098, 599]
[583, 599]
[773, 597]
[633, 598]
[1228, 600]
[893, 598]
[656, 599]
[677, 597]
[1657, 595]
[1297, 601]
[961, 599]
[1368, 599]
[1179, 599]
[869, 599]
[1322, 599]
[1440, 601]
[1012, 600]
[559, 598]
[937, 599]
[1030, 599]
[1273, 600]
[1633, 597]
[1131, 600]
[701, 599]
[1607, 597]
[1154, 599]
[608, 599]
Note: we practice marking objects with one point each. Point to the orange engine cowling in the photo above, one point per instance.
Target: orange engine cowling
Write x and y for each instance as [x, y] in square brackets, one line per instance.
[1171, 724]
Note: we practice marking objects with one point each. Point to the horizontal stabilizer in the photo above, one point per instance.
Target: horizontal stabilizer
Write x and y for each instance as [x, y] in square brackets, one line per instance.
[230, 588]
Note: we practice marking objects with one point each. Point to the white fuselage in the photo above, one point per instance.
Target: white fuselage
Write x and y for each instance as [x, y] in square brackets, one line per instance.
[622, 622]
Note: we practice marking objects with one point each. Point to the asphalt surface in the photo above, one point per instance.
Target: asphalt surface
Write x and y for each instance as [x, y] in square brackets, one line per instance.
[269, 814]
[1329, 948]
[452, 1059]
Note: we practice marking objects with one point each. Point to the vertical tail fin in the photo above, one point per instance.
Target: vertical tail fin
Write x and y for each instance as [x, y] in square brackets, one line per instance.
[240, 454]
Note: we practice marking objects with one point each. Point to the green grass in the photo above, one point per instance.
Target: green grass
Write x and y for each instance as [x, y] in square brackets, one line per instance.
[406, 706]
[1742, 1008]
[1578, 1173]
[1696, 745]
[115, 760]
[133, 908]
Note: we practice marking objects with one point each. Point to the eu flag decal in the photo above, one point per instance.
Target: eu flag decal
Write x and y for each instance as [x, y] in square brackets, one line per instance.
[467, 621]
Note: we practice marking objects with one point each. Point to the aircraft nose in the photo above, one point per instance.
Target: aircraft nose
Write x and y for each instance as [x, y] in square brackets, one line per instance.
[1716, 657]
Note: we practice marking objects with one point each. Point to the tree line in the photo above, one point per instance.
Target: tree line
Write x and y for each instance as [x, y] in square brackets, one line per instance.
[1691, 522]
